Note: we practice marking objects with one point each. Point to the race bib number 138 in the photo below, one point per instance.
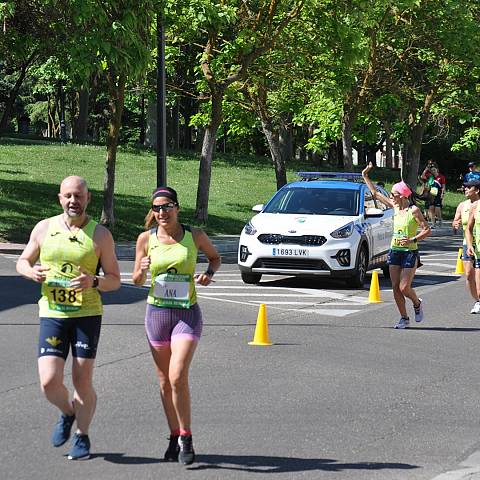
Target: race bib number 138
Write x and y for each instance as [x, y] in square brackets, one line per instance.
[63, 298]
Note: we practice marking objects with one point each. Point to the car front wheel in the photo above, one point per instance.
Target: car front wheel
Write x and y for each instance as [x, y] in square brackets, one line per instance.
[251, 278]
[357, 280]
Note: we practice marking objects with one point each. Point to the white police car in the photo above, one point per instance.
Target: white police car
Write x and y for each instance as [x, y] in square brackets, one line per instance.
[325, 224]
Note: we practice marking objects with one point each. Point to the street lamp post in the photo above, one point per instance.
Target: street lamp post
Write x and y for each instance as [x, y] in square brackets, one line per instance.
[161, 115]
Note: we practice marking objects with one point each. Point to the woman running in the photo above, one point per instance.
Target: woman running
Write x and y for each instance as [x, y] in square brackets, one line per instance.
[173, 321]
[403, 256]
[472, 236]
[472, 191]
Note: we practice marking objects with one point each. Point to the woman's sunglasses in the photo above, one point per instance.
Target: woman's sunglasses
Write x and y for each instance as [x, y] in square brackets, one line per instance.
[166, 206]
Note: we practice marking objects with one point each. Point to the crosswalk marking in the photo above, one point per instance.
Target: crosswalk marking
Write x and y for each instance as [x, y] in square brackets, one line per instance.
[229, 288]
[432, 264]
[422, 271]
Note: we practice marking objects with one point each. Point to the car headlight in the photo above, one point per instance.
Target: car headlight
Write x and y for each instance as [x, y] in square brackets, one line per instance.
[249, 229]
[343, 232]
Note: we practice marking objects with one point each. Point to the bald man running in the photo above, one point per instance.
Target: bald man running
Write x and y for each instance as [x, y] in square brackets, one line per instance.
[70, 248]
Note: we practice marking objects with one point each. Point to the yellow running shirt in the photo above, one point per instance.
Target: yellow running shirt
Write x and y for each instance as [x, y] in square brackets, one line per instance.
[404, 225]
[64, 252]
[172, 268]
[465, 214]
[476, 232]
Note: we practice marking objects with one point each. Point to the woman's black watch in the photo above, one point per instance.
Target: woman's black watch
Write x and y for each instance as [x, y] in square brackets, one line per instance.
[210, 272]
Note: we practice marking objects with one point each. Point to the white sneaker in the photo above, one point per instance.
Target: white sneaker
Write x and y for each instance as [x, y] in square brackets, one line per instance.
[402, 323]
[419, 311]
[476, 308]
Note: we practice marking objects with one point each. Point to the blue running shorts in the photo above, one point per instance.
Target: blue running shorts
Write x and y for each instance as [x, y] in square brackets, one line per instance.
[404, 259]
[58, 335]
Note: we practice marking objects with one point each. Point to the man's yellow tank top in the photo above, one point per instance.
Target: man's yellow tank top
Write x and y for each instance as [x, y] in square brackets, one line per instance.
[64, 252]
[172, 268]
[404, 226]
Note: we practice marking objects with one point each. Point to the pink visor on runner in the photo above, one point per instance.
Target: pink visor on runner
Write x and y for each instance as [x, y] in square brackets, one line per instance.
[402, 188]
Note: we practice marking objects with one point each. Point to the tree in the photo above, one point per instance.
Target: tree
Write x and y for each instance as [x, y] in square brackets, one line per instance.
[233, 35]
[115, 40]
[24, 40]
[428, 53]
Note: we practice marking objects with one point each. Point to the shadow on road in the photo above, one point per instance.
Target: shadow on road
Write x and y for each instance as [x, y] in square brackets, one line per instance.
[264, 464]
[260, 464]
[122, 459]
[315, 283]
[16, 291]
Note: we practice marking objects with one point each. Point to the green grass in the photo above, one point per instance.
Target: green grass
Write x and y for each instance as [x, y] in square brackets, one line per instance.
[30, 174]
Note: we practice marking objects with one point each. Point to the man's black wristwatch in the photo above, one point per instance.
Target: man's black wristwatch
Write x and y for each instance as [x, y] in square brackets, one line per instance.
[95, 282]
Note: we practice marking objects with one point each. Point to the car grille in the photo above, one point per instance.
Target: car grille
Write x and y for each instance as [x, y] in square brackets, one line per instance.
[306, 240]
[290, 264]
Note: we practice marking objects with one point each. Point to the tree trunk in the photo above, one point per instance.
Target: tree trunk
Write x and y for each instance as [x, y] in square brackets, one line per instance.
[187, 109]
[206, 157]
[14, 92]
[151, 131]
[347, 123]
[141, 139]
[278, 160]
[396, 155]
[176, 125]
[82, 119]
[412, 155]
[413, 145]
[285, 138]
[340, 161]
[116, 102]
[388, 146]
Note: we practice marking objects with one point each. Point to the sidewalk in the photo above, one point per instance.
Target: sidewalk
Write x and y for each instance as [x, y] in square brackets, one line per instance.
[226, 244]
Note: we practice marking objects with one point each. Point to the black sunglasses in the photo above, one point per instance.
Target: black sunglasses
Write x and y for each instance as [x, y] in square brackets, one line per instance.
[166, 206]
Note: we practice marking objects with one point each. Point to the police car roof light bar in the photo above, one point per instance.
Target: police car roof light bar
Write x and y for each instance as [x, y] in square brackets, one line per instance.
[353, 177]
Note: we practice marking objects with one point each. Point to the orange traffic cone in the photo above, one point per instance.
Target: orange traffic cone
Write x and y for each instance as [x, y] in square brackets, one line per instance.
[374, 295]
[459, 270]
[261, 329]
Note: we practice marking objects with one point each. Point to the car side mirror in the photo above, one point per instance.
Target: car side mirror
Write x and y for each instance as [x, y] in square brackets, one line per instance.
[258, 208]
[373, 213]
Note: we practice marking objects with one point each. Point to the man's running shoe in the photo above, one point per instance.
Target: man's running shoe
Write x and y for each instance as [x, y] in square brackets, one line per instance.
[171, 454]
[80, 447]
[402, 323]
[476, 308]
[419, 311]
[61, 432]
[187, 454]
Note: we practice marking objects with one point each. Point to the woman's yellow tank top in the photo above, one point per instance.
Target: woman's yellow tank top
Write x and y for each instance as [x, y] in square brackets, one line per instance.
[404, 226]
[64, 252]
[172, 268]
[465, 214]
[476, 232]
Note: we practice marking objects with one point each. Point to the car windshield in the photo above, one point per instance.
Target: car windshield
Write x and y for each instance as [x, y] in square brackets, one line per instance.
[314, 201]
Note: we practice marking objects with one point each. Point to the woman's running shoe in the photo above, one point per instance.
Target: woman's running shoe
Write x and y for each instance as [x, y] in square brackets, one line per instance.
[402, 323]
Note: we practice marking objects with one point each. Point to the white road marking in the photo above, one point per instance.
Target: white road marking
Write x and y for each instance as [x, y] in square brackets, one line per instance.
[445, 265]
[334, 312]
[229, 288]
[217, 294]
[470, 469]
[422, 271]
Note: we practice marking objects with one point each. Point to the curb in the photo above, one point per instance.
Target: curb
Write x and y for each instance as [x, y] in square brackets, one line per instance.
[227, 244]
[224, 245]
